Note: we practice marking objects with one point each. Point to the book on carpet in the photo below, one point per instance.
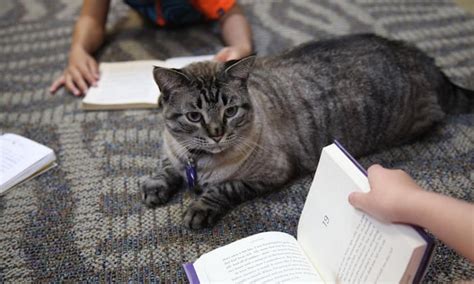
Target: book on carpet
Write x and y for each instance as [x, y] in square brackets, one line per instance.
[130, 84]
[22, 159]
[335, 242]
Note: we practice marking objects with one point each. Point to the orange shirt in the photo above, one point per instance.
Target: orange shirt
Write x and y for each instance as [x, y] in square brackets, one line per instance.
[181, 12]
[213, 9]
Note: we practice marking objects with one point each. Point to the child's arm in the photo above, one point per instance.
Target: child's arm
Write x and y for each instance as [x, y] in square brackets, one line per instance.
[395, 197]
[236, 34]
[89, 32]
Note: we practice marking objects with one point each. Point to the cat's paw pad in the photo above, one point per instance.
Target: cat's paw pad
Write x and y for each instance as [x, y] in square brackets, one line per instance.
[200, 215]
[155, 192]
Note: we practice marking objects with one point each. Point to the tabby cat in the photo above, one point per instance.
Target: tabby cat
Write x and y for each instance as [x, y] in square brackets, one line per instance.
[247, 127]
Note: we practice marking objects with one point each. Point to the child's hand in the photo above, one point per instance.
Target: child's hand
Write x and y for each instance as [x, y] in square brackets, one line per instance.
[389, 196]
[81, 72]
[231, 53]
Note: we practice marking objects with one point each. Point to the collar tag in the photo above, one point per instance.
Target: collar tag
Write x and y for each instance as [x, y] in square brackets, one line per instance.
[191, 174]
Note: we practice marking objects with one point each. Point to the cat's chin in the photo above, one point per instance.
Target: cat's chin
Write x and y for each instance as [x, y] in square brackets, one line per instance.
[215, 150]
[210, 150]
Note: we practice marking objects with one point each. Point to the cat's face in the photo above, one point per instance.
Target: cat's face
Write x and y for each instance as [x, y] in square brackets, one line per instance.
[206, 106]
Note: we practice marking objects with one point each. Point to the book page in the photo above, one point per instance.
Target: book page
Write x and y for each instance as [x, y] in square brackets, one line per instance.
[19, 158]
[123, 83]
[180, 62]
[266, 257]
[345, 244]
[130, 84]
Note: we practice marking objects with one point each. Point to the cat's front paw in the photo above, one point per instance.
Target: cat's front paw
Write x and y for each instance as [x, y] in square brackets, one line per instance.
[155, 192]
[200, 215]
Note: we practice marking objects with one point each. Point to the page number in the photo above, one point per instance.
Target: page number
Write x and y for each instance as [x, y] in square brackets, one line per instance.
[325, 220]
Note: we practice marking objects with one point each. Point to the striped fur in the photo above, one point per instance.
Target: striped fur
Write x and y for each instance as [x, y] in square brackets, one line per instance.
[365, 91]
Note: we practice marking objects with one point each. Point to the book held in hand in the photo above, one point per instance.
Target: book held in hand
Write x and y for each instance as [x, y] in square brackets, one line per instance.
[335, 242]
[22, 159]
[130, 84]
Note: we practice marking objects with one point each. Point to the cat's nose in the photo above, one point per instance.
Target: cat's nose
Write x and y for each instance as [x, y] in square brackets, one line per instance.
[217, 138]
[215, 132]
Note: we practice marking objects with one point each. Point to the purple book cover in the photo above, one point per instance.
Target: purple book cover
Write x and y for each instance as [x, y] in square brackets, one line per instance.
[429, 240]
[191, 273]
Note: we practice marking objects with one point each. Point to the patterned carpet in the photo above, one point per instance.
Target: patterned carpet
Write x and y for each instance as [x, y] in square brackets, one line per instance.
[83, 221]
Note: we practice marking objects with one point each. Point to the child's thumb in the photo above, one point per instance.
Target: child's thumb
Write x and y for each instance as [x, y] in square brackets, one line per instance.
[358, 200]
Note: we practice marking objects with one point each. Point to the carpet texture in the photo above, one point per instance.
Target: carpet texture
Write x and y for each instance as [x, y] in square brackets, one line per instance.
[83, 220]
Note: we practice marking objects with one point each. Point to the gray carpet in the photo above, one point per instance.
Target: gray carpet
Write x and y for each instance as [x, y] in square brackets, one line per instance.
[83, 221]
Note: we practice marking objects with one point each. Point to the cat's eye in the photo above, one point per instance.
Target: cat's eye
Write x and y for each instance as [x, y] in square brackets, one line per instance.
[193, 116]
[231, 111]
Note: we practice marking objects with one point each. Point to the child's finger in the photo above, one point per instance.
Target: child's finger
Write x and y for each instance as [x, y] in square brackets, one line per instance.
[222, 55]
[79, 80]
[374, 168]
[56, 84]
[358, 200]
[87, 74]
[216, 57]
[220, 58]
[93, 68]
[70, 85]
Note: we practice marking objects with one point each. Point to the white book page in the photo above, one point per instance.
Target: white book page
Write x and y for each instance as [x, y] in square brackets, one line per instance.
[132, 82]
[345, 244]
[268, 257]
[19, 158]
[124, 83]
[180, 62]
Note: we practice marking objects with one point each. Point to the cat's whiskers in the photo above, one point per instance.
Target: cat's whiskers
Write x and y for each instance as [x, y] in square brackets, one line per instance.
[241, 148]
[183, 149]
[252, 144]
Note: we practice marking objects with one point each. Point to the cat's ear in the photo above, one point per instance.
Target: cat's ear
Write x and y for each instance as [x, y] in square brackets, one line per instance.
[167, 79]
[239, 69]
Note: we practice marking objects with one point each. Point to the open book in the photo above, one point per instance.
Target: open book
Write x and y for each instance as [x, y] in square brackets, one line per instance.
[335, 242]
[130, 84]
[22, 159]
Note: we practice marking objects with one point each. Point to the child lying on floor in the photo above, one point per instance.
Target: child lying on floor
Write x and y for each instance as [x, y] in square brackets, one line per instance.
[82, 70]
